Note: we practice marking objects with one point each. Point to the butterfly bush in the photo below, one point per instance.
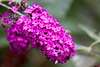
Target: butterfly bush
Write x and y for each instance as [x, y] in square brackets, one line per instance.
[39, 29]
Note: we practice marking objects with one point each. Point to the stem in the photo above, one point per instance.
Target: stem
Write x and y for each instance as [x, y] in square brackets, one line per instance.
[10, 8]
[94, 43]
[94, 51]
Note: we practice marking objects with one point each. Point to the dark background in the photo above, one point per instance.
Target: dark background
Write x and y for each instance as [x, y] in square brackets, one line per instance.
[80, 18]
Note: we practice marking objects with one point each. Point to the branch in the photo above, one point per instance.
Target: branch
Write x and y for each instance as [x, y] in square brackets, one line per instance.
[10, 8]
[89, 49]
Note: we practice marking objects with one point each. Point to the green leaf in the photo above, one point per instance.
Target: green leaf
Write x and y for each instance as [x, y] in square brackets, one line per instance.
[89, 31]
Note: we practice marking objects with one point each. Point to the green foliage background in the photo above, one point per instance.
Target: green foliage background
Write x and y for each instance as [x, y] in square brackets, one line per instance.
[80, 18]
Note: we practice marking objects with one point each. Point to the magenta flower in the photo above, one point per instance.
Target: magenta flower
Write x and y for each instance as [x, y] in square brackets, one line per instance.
[4, 25]
[10, 20]
[10, 2]
[14, 9]
[2, 18]
[5, 14]
[28, 10]
[41, 31]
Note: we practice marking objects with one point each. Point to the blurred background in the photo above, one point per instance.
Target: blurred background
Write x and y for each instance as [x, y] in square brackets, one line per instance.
[80, 18]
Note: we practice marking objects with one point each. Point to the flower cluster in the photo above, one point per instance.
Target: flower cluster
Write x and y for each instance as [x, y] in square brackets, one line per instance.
[42, 31]
[18, 43]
